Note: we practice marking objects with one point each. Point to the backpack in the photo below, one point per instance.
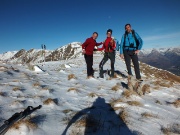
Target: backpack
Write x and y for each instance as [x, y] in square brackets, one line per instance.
[136, 40]
[117, 44]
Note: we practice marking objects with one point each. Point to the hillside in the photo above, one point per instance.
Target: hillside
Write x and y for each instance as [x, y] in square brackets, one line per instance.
[164, 58]
[72, 104]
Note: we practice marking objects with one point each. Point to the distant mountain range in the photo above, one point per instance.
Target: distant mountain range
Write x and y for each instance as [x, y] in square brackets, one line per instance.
[164, 58]
[22, 56]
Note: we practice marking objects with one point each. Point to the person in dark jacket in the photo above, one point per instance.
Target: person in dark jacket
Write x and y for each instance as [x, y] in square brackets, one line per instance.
[131, 44]
[109, 47]
[87, 50]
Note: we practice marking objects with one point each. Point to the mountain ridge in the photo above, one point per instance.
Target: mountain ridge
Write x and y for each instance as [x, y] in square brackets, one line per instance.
[164, 58]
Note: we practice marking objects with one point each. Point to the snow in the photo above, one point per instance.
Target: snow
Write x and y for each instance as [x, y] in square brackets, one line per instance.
[146, 51]
[37, 69]
[75, 45]
[161, 50]
[7, 55]
[87, 103]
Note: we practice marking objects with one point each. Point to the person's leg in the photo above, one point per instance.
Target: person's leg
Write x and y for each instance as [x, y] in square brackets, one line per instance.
[85, 57]
[104, 60]
[89, 65]
[112, 58]
[91, 62]
[136, 66]
[128, 62]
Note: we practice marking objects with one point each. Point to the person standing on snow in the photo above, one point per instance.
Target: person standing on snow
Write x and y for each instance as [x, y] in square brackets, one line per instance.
[87, 50]
[109, 47]
[131, 44]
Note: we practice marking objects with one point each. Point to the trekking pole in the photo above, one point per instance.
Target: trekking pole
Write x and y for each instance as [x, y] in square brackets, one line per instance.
[44, 54]
[17, 117]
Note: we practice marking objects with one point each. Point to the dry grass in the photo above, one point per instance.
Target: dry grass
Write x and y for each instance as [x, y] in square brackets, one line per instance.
[161, 74]
[15, 81]
[76, 131]
[17, 102]
[87, 121]
[2, 68]
[156, 87]
[176, 103]
[3, 94]
[117, 108]
[73, 89]
[67, 111]
[165, 131]
[148, 115]
[115, 75]
[158, 102]
[37, 84]
[45, 88]
[171, 129]
[146, 89]
[128, 93]
[134, 103]
[16, 89]
[163, 84]
[92, 95]
[71, 76]
[81, 122]
[49, 101]
[26, 122]
[114, 101]
[115, 88]
[124, 116]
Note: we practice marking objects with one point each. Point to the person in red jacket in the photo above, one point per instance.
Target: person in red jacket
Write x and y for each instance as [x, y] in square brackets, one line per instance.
[109, 47]
[87, 49]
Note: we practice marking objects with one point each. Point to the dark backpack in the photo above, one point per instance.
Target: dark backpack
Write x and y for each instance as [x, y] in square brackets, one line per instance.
[136, 40]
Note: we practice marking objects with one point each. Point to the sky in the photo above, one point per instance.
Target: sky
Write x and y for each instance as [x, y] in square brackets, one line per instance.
[26, 24]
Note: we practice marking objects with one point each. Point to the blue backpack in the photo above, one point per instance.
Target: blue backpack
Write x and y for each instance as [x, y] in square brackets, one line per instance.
[117, 44]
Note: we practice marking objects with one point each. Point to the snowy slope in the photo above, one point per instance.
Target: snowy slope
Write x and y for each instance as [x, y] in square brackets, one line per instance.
[86, 106]
[7, 55]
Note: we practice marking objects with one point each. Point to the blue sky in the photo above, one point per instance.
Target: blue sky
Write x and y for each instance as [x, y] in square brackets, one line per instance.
[29, 23]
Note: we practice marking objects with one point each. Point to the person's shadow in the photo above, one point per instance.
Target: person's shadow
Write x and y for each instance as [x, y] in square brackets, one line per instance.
[99, 119]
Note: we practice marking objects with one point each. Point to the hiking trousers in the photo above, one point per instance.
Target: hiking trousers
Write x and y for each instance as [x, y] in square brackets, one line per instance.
[128, 56]
[89, 63]
[107, 55]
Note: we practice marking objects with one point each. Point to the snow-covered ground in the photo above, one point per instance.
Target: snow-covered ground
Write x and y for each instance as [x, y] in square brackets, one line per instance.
[80, 106]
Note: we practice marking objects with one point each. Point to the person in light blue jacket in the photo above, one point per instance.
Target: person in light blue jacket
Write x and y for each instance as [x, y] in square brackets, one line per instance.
[131, 44]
